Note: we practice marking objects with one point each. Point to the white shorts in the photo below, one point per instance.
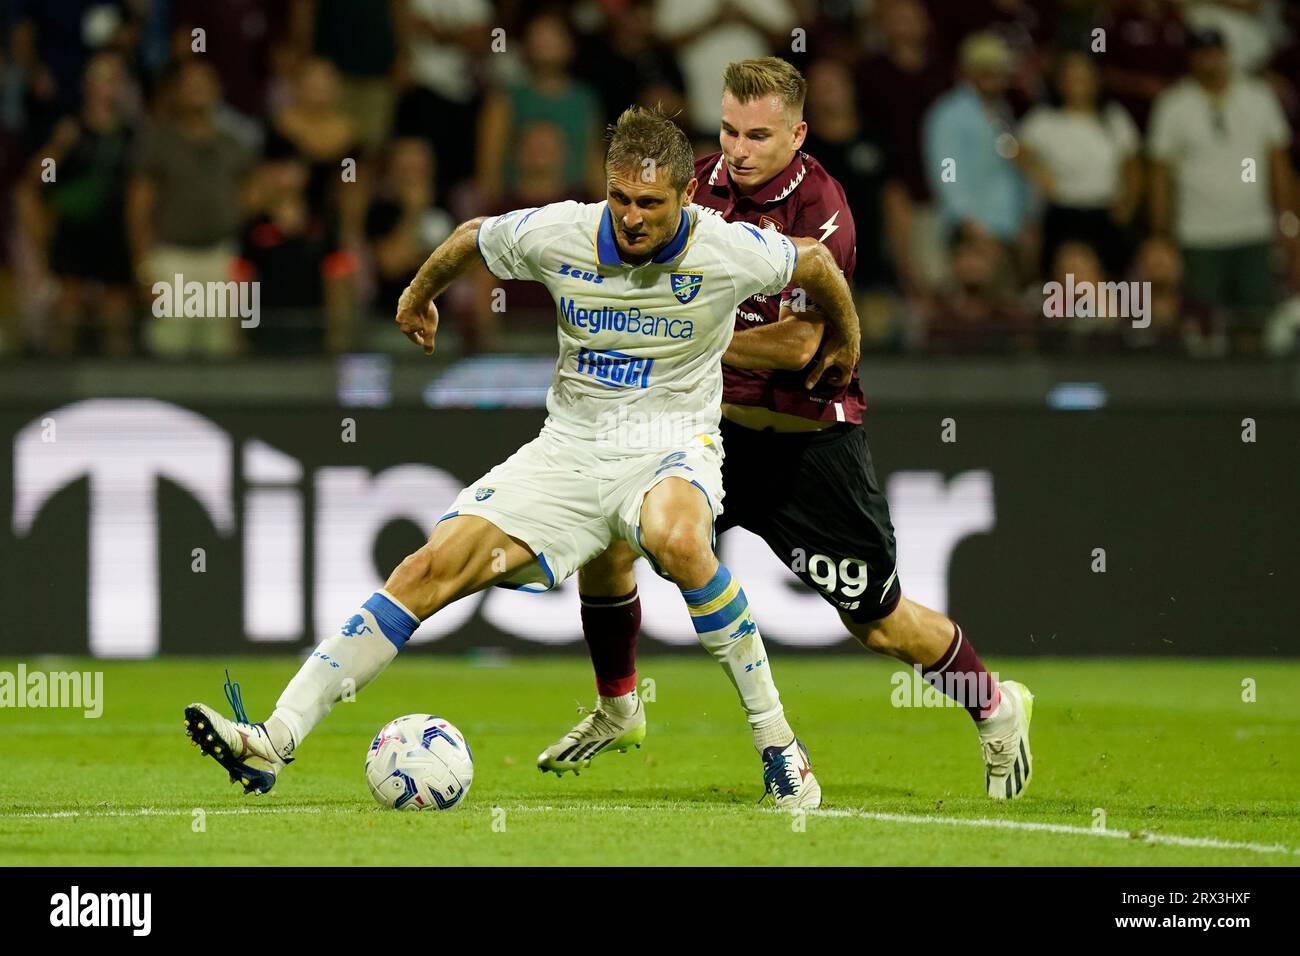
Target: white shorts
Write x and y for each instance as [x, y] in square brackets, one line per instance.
[568, 500]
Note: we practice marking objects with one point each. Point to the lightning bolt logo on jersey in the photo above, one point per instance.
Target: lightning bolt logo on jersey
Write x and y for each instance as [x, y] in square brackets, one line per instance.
[646, 337]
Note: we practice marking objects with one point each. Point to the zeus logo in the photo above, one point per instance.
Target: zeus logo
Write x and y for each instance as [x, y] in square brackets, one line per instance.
[568, 270]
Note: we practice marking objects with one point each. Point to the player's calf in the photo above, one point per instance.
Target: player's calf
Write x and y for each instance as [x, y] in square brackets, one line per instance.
[678, 520]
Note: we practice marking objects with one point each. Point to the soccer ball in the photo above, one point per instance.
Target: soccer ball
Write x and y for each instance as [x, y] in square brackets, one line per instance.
[419, 762]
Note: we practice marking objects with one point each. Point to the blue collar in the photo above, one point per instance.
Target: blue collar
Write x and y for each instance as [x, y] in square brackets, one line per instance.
[607, 248]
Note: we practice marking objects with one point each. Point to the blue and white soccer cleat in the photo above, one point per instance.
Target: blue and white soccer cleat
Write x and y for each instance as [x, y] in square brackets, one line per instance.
[788, 777]
[243, 748]
[600, 731]
[1007, 765]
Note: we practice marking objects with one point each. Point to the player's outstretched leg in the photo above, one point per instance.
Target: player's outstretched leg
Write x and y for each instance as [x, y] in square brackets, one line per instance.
[457, 560]
[938, 648]
[676, 529]
[611, 618]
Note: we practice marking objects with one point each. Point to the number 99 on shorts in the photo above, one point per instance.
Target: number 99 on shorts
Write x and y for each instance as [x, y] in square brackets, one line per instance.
[848, 577]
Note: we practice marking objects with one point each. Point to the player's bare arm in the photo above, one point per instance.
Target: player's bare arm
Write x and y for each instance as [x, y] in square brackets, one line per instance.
[417, 316]
[819, 275]
[789, 343]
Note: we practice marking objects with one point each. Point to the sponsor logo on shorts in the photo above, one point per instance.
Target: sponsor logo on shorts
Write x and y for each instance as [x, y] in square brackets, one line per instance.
[604, 318]
[615, 369]
[686, 285]
[483, 494]
[676, 460]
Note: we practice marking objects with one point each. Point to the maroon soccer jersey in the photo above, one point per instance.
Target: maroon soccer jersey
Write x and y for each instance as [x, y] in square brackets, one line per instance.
[802, 200]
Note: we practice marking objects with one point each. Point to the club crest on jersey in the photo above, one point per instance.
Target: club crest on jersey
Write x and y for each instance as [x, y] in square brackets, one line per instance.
[483, 494]
[686, 285]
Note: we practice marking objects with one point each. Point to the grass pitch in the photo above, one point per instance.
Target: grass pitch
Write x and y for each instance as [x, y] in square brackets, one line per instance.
[1136, 763]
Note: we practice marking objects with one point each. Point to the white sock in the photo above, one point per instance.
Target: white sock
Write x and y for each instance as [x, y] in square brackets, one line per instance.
[772, 732]
[995, 725]
[622, 706]
[340, 666]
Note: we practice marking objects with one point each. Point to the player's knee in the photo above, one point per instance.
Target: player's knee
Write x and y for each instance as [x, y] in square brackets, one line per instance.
[415, 572]
[679, 547]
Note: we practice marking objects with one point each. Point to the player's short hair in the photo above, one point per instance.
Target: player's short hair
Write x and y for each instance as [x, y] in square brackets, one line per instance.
[748, 80]
[644, 134]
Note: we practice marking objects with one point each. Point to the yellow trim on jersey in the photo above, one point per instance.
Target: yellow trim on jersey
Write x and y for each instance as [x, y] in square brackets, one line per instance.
[718, 603]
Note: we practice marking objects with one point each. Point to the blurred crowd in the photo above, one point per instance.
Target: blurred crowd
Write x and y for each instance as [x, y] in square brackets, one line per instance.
[324, 148]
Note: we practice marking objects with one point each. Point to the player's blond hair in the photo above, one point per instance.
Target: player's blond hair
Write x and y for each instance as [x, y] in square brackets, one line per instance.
[644, 140]
[748, 80]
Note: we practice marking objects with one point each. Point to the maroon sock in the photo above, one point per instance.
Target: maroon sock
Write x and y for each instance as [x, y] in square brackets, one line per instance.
[610, 626]
[960, 674]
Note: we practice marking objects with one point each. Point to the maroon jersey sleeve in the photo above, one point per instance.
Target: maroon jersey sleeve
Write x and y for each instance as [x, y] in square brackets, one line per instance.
[824, 215]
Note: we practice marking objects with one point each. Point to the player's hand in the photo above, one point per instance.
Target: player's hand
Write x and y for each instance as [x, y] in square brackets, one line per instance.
[836, 361]
[418, 322]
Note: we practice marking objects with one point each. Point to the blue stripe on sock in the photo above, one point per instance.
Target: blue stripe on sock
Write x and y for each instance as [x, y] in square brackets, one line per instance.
[395, 623]
[724, 617]
[717, 584]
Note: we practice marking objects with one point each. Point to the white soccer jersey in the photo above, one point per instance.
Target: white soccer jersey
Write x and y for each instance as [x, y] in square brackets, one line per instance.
[644, 340]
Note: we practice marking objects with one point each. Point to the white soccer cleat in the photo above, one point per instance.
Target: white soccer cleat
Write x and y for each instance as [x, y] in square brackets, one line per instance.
[600, 731]
[243, 749]
[1007, 764]
[788, 777]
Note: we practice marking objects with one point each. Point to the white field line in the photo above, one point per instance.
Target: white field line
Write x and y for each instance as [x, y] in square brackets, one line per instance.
[1162, 839]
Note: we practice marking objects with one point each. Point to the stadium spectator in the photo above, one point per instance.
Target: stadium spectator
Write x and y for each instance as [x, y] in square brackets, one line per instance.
[1023, 26]
[977, 311]
[291, 249]
[860, 158]
[897, 87]
[1083, 155]
[239, 36]
[542, 180]
[404, 222]
[360, 40]
[184, 207]
[550, 94]
[1221, 182]
[629, 64]
[50, 46]
[1145, 52]
[1178, 323]
[82, 211]
[969, 149]
[314, 125]
[444, 37]
[709, 34]
[1247, 28]
[1096, 327]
